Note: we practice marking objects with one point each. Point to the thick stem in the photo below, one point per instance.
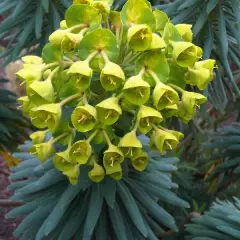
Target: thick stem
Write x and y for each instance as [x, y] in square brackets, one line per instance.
[91, 56]
[53, 140]
[51, 75]
[107, 138]
[69, 99]
[79, 26]
[154, 76]
[50, 65]
[175, 87]
[119, 96]
[85, 101]
[105, 57]
[142, 71]
[92, 135]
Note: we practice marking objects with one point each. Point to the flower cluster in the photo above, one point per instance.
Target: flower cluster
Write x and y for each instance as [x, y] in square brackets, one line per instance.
[107, 76]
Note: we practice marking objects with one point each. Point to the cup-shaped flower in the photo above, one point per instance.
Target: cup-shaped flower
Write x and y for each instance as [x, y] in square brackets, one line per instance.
[169, 111]
[130, 145]
[115, 172]
[185, 54]
[42, 150]
[30, 74]
[80, 75]
[191, 100]
[139, 37]
[63, 162]
[47, 115]
[140, 161]
[148, 116]
[136, 90]
[84, 118]
[32, 60]
[157, 42]
[26, 104]
[81, 151]
[102, 6]
[185, 31]
[207, 64]
[163, 140]
[164, 96]
[113, 155]
[177, 134]
[41, 92]
[112, 76]
[108, 111]
[70, 42]
[184, 114]
[38, 137]
[97, 173]
[73, 174]
[57, 36]
[198, 77]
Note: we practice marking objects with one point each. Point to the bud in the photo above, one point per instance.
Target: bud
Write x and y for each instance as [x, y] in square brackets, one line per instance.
[198, 77]
[57, 36]
[185, 31]
[26, 104]
[147, 117]
[163, 140]
[73, 174]
[111, 76]
[140, 161]
[112, 156]
[136, 90]
[115, 172]
[108, 111]
[157, 42]
[115, 19]
[32, 60]
[97, 173]
[164, 96]
[63, 162]
[41, 92]
[47, 115]
[46, 74]
[70, 42]
[184, 114]
[42, 150]
[184, 53]
[139, 37]
[130, 145]
[207, 64]
[80, 75]
[169, 111]
[30, 74]
[102, 6]
[81, 151]
[38, 137]
[63, 25]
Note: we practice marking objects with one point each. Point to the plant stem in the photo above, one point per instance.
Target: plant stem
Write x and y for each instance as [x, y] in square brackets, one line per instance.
[154, 76]
[50, 65]
[76, 27]
[92, 135]
[68, 99]
[142, 71]
[119, 96]
[91, 56]
[118, 35]
[53, 140]
[85, 101]
[51, 75]
[175, 87]
[105, 57]
[107, 138]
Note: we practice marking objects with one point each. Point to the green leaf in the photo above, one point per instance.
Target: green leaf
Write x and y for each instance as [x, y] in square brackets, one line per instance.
[108, 191]
[51, 53]
[211, 5]
[137, 12]
[39, 21]
[132, 208]
[45, 4]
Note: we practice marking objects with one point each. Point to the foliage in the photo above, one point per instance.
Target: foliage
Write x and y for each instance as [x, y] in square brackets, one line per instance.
[220, 222]
[126, 209]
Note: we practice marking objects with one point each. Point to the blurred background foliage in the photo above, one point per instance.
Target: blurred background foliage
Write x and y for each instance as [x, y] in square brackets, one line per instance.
[210, 153]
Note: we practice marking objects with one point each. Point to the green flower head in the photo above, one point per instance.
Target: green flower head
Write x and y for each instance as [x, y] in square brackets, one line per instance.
[185, 31]
[80, 75]
[169, 111]
[148, 116]
[97, 173]
[163, 140]
[136, 90]
[115, 172]
[73, 174]
[41, 92]
[70, 42]
[113, 155]
[108, 111]
[140, 161]
[38, 137]
[184, 53]
[130, 145]
[84, 118]
[47, 115]
[112, 76]
[164, 96]
[81, 151]
[42, 150]
[102, 6]
[139, 37]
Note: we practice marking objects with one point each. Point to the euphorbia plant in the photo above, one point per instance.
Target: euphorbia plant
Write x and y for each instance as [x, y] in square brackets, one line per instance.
[105, 67]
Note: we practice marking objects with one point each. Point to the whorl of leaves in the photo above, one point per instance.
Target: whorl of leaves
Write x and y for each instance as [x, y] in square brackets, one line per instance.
[221, 222]
[127, 209]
